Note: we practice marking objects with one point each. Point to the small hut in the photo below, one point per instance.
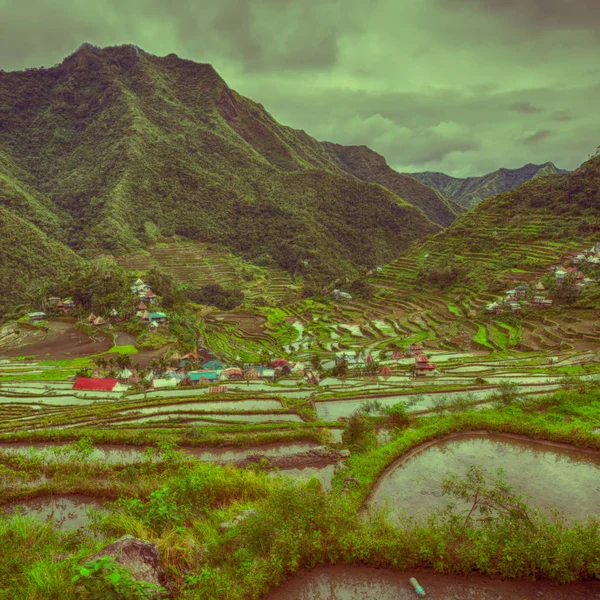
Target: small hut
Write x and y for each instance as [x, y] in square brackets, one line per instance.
[99, 321]
[251, 374]
[125, 374]
[91, 318]
[386, 371]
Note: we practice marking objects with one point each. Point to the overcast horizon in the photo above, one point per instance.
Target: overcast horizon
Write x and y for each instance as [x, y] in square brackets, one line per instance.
[464, 87]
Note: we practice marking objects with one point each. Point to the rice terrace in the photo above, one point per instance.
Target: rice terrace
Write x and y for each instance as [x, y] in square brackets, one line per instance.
[238, 363]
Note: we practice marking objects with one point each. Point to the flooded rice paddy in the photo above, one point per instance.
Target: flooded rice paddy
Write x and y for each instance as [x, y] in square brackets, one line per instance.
[556, 476]
[341, 582]
[117, 454]
[323, 474]
[67, 512]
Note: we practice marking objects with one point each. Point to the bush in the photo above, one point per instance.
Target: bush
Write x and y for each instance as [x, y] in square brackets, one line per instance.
[216, 295]
[360, 435]
[104, 579]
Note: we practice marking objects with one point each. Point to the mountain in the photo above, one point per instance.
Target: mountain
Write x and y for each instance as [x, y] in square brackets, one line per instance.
[28, 257]
[469, 192]
[367, 165]
[515, 236]
[115, 149]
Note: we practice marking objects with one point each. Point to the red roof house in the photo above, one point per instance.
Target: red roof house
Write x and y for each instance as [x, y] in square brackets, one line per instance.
[280, 362]
[423, 366]
[94, 383]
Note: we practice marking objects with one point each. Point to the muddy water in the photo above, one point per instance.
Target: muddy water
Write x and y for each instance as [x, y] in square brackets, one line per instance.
[337, 435]
[215, 419]
[555, 477]
[113, 454]
[68, 512]
[50, 400]
[235, 405]
[116, 454]
[333, 409]
[323, 474]
[342, 582]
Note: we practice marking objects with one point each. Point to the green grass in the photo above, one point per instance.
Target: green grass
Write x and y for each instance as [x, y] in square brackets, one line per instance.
[481, 337]
[178, 504]
[122, 350]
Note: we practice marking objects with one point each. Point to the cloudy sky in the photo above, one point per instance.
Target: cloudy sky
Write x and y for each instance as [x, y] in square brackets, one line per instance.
[459, 86]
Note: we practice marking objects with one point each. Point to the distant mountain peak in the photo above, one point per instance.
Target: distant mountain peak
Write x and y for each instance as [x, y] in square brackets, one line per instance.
[470, 191]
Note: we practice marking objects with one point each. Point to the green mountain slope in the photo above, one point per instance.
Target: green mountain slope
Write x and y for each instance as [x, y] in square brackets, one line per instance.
[469, 192]
[367, 165]
[515, 235]
[28, 259]
[125, 148]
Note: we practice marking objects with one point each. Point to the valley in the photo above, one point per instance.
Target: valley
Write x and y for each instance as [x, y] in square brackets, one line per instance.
[240, 363]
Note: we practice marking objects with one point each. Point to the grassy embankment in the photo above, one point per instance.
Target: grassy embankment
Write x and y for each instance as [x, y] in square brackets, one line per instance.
[179, 504]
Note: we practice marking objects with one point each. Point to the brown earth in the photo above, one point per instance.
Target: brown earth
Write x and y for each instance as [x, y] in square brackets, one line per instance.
[315, 457]
[252, 324]
[62, 342]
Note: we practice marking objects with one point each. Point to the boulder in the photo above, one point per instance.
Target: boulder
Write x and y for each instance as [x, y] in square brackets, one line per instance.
[139, 557]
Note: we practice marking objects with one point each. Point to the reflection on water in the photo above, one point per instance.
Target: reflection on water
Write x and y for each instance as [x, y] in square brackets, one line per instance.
[68, 512]
[555, 477]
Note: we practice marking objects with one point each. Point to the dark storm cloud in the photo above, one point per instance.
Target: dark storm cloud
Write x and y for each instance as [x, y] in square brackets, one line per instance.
[524, 107]
[258, 34]
[538, 136]
[447, 85]
[558, 14]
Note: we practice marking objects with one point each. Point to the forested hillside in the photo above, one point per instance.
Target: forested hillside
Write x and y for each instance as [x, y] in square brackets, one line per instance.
[115, 149]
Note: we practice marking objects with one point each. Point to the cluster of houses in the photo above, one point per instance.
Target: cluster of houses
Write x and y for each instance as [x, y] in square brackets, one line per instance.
[537, 293]
[591, 256]
[515, 299]
[55, 305]
[153, 318]
[210, 371]
[142, 290]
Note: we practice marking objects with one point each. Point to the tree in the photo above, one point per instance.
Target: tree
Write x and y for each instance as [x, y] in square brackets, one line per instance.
[488, 496]
[124, 361]
[566, 291]
[359, 435]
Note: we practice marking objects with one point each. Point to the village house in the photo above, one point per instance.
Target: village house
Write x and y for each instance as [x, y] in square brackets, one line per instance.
[521, 290]
[339, 295]
[160, 318]
[560, 274]
[265, 373]
[424, 368]
[207, 375]
[36, 317]
[98, 384]
[493, 307]
[541, 301]
[514, 306]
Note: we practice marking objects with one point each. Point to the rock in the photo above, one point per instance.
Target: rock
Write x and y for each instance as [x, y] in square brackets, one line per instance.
[139, 557]
[344, 453]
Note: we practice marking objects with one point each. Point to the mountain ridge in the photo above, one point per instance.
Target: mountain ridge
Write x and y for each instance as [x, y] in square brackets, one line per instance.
[114, 149]
[468, 192]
